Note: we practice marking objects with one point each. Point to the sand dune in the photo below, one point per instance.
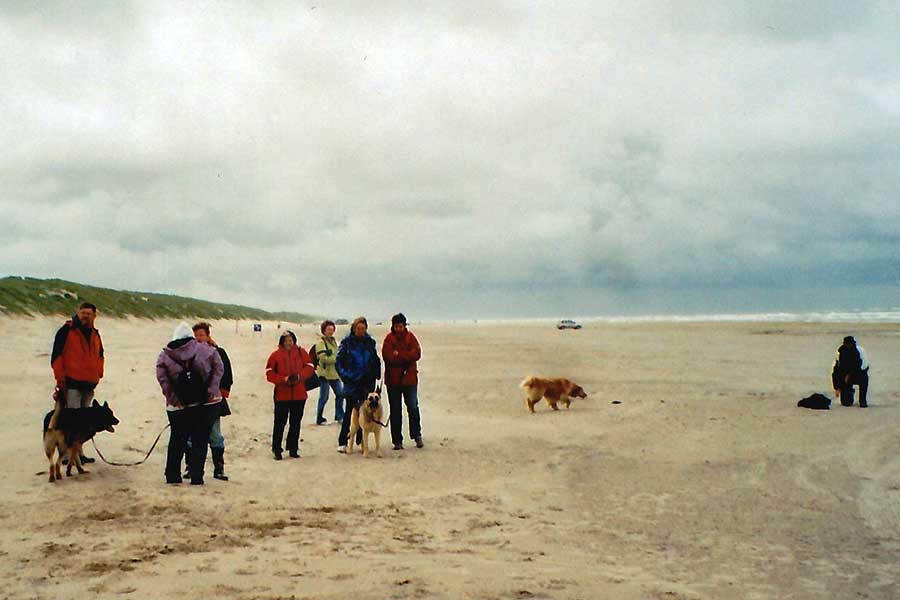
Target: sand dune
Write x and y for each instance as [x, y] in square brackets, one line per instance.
[705, 481]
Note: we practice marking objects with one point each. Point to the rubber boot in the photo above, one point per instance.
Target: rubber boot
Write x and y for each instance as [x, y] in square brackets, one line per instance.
[218, 456]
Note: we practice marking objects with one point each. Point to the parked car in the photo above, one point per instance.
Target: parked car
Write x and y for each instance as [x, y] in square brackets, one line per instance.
[568, 324]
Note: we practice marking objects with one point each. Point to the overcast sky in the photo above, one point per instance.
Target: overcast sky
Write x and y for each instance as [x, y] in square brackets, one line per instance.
[457, 159]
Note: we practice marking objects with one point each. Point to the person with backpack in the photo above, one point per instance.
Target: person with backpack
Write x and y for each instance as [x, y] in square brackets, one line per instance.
[189, 374]
[288, 367]
[216, 439]
[324, 356]
[850, 368]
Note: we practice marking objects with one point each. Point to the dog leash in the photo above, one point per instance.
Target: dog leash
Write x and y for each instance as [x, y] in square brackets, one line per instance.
[132, 464]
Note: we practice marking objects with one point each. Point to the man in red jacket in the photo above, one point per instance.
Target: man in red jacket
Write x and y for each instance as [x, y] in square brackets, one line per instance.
[77, 361]
[401, 352]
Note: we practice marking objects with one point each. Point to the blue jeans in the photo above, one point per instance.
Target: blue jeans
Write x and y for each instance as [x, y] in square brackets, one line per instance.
[409, 395]
[338, 388]
[216, 439]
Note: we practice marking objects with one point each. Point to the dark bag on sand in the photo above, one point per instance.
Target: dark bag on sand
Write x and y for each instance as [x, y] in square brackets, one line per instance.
[189, 386]
[816, 402]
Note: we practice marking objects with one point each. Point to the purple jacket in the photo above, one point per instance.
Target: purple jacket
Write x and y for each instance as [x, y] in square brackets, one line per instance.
[205, 359]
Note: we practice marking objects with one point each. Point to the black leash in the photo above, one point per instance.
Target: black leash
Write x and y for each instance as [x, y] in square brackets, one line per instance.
[132, 464]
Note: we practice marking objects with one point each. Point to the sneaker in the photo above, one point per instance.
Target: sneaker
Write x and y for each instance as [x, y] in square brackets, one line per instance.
[419, 443]
[294, 454]
[398, 446]
[87, 459]
[322, 422]
[342, 449]
[277, 455]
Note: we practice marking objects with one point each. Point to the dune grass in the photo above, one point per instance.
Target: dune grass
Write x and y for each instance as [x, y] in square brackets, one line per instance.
[27, 296]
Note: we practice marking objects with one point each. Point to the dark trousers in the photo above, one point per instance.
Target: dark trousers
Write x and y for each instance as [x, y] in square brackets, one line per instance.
[398, 395]
[860, 379]
[354, 398]
[287, 412]
[192, 423]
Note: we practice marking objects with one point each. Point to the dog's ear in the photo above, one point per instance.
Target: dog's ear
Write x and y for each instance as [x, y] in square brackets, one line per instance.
[106, 405]
[95, 404]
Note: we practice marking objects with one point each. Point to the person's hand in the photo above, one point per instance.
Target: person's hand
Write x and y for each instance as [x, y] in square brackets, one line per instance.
[837, 392]
[396, 353]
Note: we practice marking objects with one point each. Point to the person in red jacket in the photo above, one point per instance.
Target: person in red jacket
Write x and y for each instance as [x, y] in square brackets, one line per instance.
[401, 351]
[77, 361]
[288, 367]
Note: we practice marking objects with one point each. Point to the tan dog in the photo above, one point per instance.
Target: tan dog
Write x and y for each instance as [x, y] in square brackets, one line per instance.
[557, 391]
[369, 417]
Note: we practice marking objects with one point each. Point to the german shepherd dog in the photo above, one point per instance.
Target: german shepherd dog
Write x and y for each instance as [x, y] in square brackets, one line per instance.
[367, 417]
[74, 427]
[557, 391]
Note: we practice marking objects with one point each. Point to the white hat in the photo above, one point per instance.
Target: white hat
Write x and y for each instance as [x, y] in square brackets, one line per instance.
[182, 331]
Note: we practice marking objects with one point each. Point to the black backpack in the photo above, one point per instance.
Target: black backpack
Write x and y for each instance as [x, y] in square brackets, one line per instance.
[189, 386]
[313, 356]
[816, 402]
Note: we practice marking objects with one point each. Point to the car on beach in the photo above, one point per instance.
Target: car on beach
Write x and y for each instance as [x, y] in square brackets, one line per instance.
[568, 324]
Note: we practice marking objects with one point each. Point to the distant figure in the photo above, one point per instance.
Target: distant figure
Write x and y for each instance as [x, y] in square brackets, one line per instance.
[189, 374]
[401, 351]
[77, 361]
[216, 439]
[326, 350]
[851, 368]
[359, 367]
[287, 368]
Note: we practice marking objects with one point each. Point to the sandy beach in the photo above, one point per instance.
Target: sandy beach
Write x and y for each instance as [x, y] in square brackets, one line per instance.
[688, 473]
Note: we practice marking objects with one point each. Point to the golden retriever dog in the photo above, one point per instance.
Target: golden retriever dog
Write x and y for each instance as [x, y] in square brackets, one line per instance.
[558, 390]
[369, 417]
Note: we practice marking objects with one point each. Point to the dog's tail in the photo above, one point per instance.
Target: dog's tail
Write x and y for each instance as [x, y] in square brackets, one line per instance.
[528, 382]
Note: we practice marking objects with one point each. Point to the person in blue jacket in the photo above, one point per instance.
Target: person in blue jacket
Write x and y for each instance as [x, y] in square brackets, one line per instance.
[359, 367]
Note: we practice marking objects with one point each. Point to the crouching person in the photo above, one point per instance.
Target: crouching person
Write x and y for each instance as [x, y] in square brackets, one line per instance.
[189, 373]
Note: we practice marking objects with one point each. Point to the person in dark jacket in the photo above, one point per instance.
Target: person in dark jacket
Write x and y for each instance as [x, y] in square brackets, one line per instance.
[189, 374]
[77, 361]
[359, 367]
[288, 368]
[401, 351]
[216, 439]
[851, 368]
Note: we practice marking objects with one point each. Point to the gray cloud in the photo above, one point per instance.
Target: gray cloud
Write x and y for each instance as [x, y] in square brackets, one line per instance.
[464, 159]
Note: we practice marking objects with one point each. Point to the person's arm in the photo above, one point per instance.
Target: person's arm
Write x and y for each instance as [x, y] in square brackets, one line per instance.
[227, 375]
[218, 368]
[272, 374]
[389, 351]
[162, 375]
[340, 362]
[102, 356]
[412, 352]
[57, 362]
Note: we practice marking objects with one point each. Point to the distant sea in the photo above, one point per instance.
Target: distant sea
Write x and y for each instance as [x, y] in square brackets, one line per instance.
[849, 316]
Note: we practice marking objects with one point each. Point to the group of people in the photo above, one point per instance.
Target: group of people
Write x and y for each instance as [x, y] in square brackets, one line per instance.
[350, 370]
[195, 376]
